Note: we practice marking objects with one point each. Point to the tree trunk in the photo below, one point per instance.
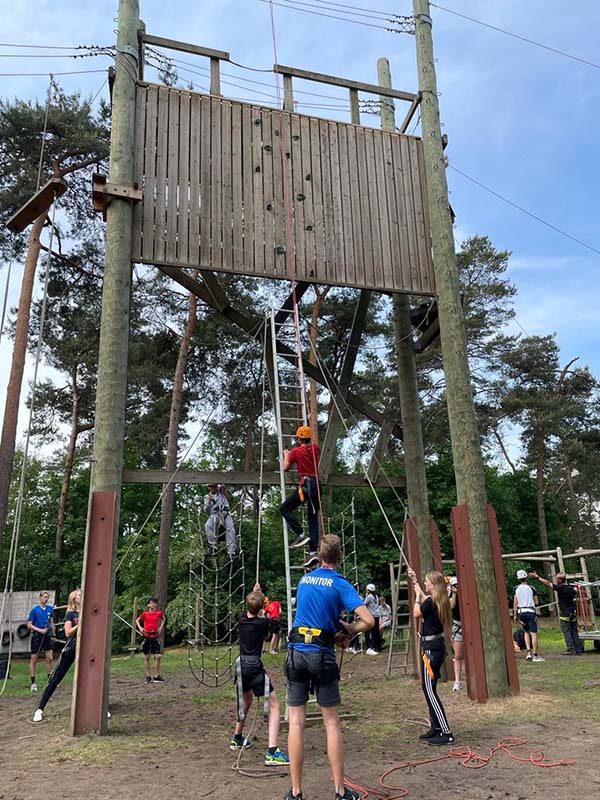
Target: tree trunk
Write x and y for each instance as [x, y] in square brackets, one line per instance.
[168, 500]
[541, 508]
[66, 481]
[15, 381]
[577, 533]
[313, 408]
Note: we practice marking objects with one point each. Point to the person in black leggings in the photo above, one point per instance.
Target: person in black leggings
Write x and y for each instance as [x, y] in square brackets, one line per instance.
[433, 609]
[67, 657]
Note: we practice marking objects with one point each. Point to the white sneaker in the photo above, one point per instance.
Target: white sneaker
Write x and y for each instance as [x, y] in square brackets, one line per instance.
[108, 715]
[34, 687]
[38, 715]
[371, 652]
[538, 658]
[352, 651]
[457, 686]
[528, 657]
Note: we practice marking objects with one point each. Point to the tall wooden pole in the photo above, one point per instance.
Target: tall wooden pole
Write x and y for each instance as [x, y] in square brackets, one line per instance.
[112, 377]
[412, 434]
[466, 447]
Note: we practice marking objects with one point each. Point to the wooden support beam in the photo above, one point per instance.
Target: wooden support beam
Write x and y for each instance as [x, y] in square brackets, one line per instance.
[339, 397]
[215, 76]
[36, 205]
[380, 448]
[236, 478]
[288, 93]
[90, 689]
[331, 80]
[410, 113]
[184, 47]
[354, 107]
[253, 326]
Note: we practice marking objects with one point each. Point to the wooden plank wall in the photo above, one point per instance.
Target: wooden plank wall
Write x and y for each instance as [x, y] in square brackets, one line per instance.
[212, 173]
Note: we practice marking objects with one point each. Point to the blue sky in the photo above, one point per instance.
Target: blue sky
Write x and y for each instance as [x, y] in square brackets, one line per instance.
[521, 120]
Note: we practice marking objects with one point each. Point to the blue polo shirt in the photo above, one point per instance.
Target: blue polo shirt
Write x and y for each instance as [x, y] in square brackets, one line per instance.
[41, 617]
[321, 597]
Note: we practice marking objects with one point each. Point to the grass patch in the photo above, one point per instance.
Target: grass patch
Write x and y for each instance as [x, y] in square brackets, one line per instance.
[97, 751]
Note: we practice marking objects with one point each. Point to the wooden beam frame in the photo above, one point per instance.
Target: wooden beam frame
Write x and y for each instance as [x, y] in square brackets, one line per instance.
[36, 205]
[332, 80]
[214, 297]
[234, 478]
[183, 47]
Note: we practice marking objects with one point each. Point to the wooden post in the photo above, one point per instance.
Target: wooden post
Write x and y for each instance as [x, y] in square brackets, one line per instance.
[112, 377]
[411, 541]
[215, 76]
[288, 93]
[412, 434]
[354, 107]
[466, 448]
[468, 598]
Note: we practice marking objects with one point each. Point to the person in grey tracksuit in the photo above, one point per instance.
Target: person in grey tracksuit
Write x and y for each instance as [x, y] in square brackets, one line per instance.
[216, 506]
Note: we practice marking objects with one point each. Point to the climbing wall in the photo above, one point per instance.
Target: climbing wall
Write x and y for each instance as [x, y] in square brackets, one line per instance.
[212, 174]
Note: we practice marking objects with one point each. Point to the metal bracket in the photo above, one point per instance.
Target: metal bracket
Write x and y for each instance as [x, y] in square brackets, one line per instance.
[102, 190]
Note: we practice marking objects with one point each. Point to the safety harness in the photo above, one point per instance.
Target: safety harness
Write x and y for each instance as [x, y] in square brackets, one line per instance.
[250, 661]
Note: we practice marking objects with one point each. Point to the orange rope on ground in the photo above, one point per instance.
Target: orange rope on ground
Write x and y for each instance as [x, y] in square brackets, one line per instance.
[469, 759]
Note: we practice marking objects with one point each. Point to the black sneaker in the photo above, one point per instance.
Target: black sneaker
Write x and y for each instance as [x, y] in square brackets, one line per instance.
[312, 560]
[300, 541]
[289, 795]
[349, 794]
[441, 739]
[429, 734]
[159, 679]
[148, 679]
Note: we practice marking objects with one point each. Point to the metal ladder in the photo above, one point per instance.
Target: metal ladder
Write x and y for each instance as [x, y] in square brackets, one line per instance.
[290, 410]
[399, 653]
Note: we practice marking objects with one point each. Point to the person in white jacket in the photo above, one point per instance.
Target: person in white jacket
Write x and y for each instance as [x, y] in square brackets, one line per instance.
[373, 637]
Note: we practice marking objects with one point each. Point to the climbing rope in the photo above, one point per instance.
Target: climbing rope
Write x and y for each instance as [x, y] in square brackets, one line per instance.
[13, 552]
[468, 758]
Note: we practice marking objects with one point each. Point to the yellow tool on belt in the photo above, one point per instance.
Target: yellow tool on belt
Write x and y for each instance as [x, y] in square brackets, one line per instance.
[308, 633]
[428, 667]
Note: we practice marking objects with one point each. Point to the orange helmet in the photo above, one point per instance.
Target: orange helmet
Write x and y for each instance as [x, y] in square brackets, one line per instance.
[304, 432]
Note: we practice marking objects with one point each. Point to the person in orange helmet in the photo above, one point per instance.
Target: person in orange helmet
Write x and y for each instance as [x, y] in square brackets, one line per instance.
[305, 456]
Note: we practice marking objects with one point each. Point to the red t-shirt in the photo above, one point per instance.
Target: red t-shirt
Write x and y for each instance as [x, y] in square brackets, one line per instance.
[150, 621]
[306, 458]
[273, 609]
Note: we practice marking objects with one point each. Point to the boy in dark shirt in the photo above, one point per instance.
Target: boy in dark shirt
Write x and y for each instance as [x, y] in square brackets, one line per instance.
[567, 614]
[252, 680]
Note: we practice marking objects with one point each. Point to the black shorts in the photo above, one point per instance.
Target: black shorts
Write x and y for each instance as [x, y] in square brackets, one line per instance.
[307, 670]
[41, 642]
[253, 679]
[151, 645]
[275, 626]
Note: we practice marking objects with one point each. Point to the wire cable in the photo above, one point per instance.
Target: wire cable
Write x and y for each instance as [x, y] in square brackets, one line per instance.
[518, 36]
[525, 211]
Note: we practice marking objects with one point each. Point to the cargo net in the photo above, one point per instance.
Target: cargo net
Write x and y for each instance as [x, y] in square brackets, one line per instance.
[216, 598]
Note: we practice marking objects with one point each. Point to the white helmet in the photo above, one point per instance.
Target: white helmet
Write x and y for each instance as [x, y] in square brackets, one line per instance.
[521, 574]
[370, 587]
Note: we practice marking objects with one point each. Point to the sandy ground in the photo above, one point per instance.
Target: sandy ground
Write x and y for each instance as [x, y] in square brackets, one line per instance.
[171, 741]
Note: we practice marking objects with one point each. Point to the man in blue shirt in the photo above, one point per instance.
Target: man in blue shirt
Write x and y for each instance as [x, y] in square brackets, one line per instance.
[41, 625]
[321, 597]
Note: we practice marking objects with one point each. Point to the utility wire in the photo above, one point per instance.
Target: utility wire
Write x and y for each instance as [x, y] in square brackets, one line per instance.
[330, 16]
[524, 211]
[326, 6]
[41, 74]
[518, 36]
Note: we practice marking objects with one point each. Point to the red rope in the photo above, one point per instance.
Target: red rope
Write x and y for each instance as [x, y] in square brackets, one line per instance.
[469, 759]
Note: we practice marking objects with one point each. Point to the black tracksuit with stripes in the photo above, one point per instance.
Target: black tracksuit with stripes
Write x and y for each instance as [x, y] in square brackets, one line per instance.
[435, 653]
